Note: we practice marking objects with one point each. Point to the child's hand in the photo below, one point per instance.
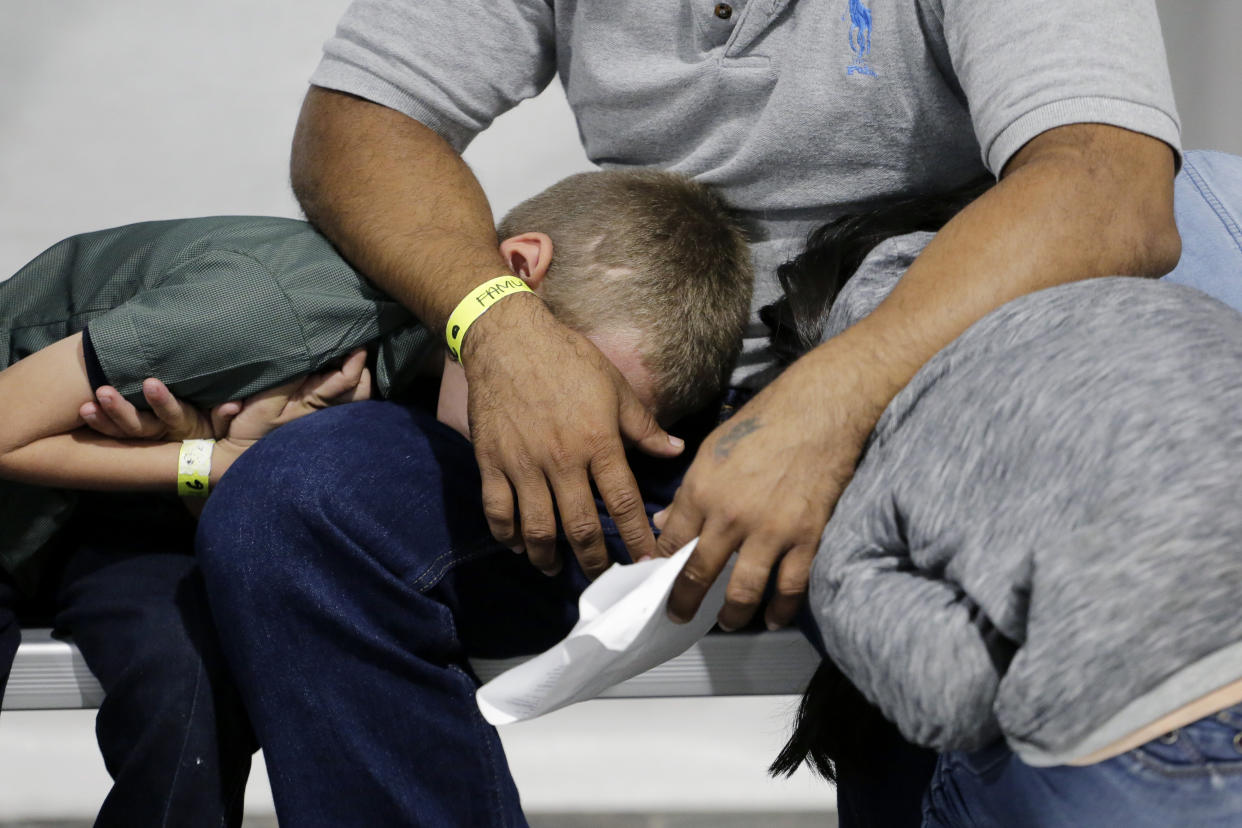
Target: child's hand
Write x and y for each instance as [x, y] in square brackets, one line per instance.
[236, 426]
[270, 409]
[169, 419]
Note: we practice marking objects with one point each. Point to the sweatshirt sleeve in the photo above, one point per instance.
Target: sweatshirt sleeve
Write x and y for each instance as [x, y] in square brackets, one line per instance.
[911, 641]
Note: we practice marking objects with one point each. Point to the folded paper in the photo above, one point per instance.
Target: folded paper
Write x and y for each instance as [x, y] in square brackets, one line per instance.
[623, 630]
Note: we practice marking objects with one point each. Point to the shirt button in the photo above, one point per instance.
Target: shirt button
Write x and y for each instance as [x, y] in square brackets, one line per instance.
[724, 11]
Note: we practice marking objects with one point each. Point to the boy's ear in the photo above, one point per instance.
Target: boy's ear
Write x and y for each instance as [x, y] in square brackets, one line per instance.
[528, 255]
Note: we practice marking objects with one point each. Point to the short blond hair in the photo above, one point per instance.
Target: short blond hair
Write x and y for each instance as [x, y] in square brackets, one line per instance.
[654, 251]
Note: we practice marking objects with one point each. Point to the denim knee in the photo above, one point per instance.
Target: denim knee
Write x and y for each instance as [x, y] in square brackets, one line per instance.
[299, 481]
[1208, 204]
[367, 493]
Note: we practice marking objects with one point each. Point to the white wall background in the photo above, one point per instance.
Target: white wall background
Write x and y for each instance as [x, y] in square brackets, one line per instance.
[1202, 37]
[143, 109]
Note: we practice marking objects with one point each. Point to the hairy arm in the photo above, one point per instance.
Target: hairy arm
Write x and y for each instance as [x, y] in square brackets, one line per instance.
[396, 200]
[404, 208]
[1075, 203]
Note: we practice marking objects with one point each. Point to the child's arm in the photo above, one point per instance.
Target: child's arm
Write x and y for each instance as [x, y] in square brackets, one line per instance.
[259, 415]
[43, 442]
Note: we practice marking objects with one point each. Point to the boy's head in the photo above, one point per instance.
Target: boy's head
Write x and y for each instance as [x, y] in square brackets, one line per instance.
[651, 266]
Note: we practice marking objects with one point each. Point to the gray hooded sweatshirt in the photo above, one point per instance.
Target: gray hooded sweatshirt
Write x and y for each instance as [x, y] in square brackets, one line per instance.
[1043, 539]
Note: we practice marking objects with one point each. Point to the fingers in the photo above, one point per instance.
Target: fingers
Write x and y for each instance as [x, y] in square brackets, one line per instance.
[624, 501]
[130, 423]
[679, 524]
[355, 363]
[580, 520]
[791, 586]
[169, 418]
[758, 552]
[267, 410]
[362, 391]
[176, 415]
[699, 573]
[222, 415]
[95, 417]
[329, 386]
[640, 428]
[538, 524]
[321, 389]
[755, 561]
[548, 413]
[498, 509]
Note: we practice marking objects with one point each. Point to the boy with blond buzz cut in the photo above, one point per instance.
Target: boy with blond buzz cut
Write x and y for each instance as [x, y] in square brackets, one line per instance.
[155, 330]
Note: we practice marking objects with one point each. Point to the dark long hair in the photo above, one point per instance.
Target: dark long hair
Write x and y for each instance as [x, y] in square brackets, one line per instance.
[812, 280]
[836, 726]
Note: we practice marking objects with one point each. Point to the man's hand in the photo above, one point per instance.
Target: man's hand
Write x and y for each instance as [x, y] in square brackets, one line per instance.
[548, 415]
[763, 485]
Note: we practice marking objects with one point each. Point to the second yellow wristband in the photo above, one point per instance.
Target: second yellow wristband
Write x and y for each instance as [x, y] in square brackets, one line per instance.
[194, 468]
[474, 305]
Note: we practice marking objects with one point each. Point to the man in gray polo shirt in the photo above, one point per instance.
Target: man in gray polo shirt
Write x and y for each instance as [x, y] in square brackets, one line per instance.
[796, 110]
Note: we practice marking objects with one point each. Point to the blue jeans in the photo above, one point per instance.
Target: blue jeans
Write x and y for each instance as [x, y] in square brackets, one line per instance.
[1208, 203]
[1191, 777]
[351, 572]
[173, 732]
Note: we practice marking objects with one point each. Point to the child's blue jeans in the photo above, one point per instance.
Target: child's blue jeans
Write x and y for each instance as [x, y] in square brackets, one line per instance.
[1208, 199]
[171, 728]
[1191, 777]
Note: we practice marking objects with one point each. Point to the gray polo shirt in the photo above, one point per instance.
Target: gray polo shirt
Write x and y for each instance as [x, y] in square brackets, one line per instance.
[795, 110]
[1042, 539]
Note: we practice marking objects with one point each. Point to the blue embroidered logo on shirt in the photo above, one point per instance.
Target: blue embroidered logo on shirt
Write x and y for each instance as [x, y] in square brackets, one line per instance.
[860, 39]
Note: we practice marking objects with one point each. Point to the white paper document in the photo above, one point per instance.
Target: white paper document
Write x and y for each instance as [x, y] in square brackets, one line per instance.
[622, 631]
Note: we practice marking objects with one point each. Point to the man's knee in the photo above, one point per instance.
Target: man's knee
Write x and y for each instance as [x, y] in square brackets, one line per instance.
[294, 464]
[279, 485]
[358, 484]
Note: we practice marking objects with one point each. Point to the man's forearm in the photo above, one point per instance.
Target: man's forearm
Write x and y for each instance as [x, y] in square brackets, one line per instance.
[396, 199]
[1076, 203]
[1087, 201]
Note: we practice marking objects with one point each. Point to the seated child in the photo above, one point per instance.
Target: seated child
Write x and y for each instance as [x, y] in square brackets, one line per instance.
[1037, 562]
[648, 265]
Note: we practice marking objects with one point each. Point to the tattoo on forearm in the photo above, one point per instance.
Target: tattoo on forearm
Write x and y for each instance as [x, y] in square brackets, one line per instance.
[727, 442]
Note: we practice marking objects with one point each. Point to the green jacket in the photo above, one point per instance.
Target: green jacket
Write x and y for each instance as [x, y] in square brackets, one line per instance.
[218, 308]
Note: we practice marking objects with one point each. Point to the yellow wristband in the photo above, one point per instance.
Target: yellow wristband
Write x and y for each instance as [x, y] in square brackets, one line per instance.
[194, 468]
[473, 306]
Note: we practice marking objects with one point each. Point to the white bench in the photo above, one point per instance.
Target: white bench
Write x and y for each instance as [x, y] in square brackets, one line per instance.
[50, 674]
